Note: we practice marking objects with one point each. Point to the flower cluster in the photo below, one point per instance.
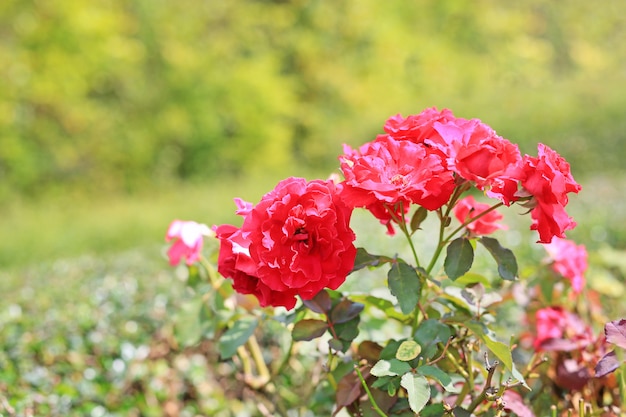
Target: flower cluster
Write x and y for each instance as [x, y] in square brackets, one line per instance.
[424, 159]
[296, 243]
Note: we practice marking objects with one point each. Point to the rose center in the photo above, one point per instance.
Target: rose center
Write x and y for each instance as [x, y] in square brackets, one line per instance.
[301, 234]
[399, 180]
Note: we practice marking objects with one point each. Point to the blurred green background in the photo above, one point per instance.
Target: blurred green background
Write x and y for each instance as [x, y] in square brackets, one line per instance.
[117, 115]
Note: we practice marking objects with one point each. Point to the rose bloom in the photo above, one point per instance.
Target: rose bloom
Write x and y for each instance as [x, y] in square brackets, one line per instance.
[548, 179]
[550, 324]
[390, 171]
[417, 128]
[560, 330]
[188, 239]
[295, 241]
[468, 208]
[234, 262]
[478, 154]
[569, 260]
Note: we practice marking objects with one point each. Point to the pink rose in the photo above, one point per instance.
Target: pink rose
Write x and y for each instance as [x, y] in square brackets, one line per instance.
[559, 330]
[296, 241]
[188, 239]
[389, 171]
[569, 260]
[234, 262]
[468, 208]
[548, 179]
[551, 322]
[478, 154]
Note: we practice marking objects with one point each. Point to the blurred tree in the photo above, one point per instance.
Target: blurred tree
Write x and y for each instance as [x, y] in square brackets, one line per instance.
[113, 95]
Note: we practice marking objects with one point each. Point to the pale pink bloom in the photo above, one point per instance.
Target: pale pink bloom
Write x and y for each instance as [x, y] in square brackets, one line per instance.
[468, 208]
[569, 260]
[188, 239]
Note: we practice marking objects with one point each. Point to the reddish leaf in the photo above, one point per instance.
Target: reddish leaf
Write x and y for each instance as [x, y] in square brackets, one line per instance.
[607, 364]
[513, 402]
[308, 329]
[349, 389]
[321, 303]
[369, 351]
[615, 332]
[345, 311]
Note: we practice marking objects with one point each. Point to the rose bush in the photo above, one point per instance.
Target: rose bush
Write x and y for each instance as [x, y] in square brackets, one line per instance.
[435, 338]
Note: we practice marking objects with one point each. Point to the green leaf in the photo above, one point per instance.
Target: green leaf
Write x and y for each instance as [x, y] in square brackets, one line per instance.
[348, 330]
[392, 367]
[418, 217]
[439, 375]
[418, 390]
[345, 311]
[507, 264]
[408, 350]
[429, 333]
[459, 258]
[405, 285]
[308, 329]
[364, 259]
[189, 324]
[383, 305]
[236, 336]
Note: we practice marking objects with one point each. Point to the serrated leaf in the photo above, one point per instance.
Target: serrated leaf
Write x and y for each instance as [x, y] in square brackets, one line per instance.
[507, 264]
[408, 350]
[345, 311]
[321, 303]
[392, 367]
[440, 376]
[308, 329]
[404, 284]
[236, 336]
[418, 390]
[459, 258]
[364, 259]
[418, 217]
[615, 332]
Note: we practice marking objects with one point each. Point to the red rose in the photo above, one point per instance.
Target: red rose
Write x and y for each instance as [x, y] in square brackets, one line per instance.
[417, 128]
[468, 208]
[569, 260]
[392, 171]
[300, 239]
[478, 154]
[548, 179]
[234, 262]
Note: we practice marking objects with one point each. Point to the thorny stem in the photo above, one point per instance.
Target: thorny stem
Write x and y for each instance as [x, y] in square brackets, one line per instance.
[491, 369]
[375, 406]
